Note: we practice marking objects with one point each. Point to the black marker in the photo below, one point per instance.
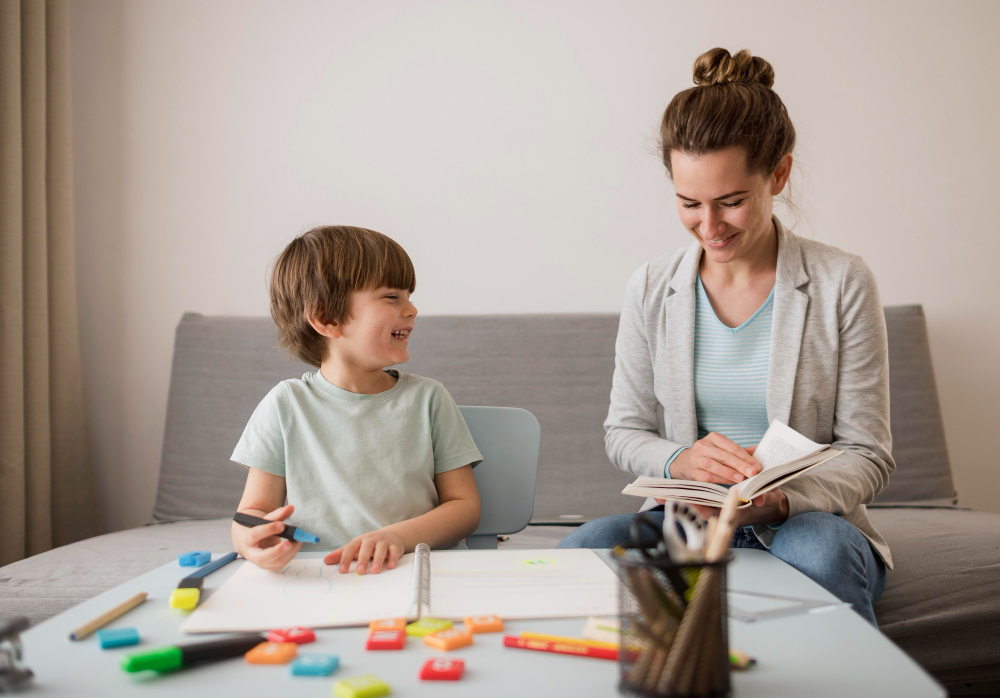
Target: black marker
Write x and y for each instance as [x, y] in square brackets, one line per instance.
[290, 532]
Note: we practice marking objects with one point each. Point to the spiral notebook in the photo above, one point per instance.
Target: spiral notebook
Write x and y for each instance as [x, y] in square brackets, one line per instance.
[450, 584]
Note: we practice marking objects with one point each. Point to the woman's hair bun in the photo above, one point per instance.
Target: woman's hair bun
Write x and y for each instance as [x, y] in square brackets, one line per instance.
[717, 67]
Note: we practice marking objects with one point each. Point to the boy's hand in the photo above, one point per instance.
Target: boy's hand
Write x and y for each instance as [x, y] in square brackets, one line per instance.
[261, 545]
[377, 546]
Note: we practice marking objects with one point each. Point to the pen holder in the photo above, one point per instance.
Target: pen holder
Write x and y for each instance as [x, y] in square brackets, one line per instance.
[674, 642]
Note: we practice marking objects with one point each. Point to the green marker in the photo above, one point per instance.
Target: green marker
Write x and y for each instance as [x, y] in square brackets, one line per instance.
[173, 657]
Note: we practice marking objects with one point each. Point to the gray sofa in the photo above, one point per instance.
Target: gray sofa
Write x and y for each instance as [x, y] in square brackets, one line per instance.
[941, 603]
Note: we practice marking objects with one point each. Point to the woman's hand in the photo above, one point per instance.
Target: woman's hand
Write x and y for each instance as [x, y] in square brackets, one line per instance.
[261, 545]
[377, 547]
[715, 459]
[769, 508]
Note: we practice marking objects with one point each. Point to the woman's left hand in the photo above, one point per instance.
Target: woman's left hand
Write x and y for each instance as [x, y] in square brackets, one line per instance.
[769, 508]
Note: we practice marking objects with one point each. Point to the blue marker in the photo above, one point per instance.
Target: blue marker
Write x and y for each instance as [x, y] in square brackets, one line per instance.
[290, 532]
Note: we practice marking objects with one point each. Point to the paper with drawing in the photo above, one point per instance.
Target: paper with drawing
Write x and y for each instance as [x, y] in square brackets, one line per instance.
[509, 583]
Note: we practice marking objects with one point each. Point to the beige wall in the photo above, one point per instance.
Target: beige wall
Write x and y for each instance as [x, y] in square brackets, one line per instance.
[509, 146]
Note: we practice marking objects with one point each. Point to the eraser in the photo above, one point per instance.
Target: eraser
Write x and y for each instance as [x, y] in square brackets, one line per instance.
[272, 653]
[299, 636]
[484, 624]
[442, 669]
[184, 599]
[386, 640]
[450, 639]
[195, 558]
[387, 624]
[315, 664]
[426, 626]
[117, 637]
[364, 686]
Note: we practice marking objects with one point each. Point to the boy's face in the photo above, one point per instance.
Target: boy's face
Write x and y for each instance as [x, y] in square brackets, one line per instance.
[378, 331]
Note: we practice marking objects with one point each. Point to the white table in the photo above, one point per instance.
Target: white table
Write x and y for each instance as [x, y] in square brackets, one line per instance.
[834, 653]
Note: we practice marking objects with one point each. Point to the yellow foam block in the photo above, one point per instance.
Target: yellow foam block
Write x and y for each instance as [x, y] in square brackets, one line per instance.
[184, 599]
[426, 626]
[364, 686]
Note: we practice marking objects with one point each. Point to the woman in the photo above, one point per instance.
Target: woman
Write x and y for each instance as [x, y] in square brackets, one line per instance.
[749, 324]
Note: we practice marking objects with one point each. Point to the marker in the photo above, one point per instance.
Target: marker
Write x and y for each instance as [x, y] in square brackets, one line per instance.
[559, 647]
[291, 532]
[172, 657]
[105, 618]
[188, 592]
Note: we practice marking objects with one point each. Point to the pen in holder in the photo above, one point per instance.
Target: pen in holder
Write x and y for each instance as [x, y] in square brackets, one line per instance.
[674, 634]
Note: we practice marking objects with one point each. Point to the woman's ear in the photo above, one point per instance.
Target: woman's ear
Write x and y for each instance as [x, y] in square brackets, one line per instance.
[327, 329]
[780, 177]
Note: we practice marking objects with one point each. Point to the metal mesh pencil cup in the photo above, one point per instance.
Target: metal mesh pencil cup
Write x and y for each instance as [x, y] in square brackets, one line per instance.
[671, 649]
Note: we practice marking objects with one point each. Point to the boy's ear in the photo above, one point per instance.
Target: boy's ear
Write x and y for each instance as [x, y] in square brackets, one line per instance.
[332, 330]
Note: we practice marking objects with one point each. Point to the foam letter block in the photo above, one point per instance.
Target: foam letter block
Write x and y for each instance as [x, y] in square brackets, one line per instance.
[117, 637]
[315, 664]
[387, 624]
[364, 686]
[484, 624]
[442, 669]
[195, 558]
[272, 653]
[184, 599]
[449, 639]
[299, 636]
[426, 626]
[386, 640]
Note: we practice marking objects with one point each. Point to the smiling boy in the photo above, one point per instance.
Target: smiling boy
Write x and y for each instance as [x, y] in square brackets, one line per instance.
[370, 459]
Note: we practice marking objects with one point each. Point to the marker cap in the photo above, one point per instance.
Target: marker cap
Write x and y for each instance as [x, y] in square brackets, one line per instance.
[305, 536]
[160, 659]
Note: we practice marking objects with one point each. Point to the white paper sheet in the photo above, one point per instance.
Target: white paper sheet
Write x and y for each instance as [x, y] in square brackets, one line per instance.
[509, 583]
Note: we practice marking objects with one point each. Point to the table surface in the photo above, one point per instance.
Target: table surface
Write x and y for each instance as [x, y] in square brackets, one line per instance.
[833, 653]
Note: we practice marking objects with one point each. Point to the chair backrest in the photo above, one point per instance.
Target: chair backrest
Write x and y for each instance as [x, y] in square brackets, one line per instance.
[508, 438]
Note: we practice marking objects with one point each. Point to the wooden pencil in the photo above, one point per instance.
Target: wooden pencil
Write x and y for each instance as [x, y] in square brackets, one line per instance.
[108, 616]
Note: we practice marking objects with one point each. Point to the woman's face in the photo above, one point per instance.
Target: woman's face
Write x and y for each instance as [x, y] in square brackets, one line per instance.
[727, 210]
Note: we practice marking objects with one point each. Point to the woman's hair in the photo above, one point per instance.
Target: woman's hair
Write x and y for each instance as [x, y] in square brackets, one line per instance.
[732, 104]
[317, 272]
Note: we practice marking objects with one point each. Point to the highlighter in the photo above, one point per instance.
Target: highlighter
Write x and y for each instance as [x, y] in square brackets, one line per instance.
[291, 532]
[172, 657]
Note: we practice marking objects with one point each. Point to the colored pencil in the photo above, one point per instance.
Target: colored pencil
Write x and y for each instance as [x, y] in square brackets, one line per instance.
[571, 640]
[559, 647]
[105, 618]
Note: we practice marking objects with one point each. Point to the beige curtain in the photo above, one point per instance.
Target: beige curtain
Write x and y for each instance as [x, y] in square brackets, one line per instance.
[47, 489]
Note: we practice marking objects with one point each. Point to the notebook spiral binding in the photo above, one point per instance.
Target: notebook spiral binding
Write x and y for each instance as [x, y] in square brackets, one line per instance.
[420, 592]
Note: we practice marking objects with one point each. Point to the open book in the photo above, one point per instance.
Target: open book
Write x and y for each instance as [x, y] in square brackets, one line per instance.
[449, 584]
[783, 452]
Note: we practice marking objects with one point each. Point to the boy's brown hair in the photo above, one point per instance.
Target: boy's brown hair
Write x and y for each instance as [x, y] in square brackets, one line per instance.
[317, 272]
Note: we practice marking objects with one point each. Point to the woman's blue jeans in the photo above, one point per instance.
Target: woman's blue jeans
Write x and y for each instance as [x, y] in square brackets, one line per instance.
[824, 547]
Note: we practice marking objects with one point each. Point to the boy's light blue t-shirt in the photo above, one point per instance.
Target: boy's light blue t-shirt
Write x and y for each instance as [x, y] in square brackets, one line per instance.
[355, 463]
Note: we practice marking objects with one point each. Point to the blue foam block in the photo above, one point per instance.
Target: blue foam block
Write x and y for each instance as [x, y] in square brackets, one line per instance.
[117, 637]
[195, 558]
[315, 664]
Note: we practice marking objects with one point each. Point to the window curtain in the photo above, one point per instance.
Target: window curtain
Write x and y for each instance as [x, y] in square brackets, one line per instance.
[48, 496]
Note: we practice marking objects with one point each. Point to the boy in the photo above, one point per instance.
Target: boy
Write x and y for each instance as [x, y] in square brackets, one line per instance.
[373, 460]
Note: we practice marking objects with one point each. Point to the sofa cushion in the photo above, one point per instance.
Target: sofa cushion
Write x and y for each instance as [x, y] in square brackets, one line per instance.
[941, 603]
[918, 446]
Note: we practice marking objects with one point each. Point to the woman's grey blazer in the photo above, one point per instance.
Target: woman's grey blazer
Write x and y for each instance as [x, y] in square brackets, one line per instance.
[827, 376]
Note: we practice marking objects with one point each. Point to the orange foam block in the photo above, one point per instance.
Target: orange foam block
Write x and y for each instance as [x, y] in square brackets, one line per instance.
[484, 624]
[449, 639]
[387, 624]
[272, 653]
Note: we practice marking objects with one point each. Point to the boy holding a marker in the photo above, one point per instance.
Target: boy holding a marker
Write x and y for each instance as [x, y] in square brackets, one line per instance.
[370, 459]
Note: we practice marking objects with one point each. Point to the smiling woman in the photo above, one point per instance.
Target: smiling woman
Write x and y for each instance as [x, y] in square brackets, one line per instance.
[750, 324]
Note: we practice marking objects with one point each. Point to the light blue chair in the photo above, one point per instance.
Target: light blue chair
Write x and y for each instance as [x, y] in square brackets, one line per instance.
[508, 438]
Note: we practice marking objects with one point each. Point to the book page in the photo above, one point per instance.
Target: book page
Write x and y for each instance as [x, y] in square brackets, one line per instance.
[781, 444]
[517, 584]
